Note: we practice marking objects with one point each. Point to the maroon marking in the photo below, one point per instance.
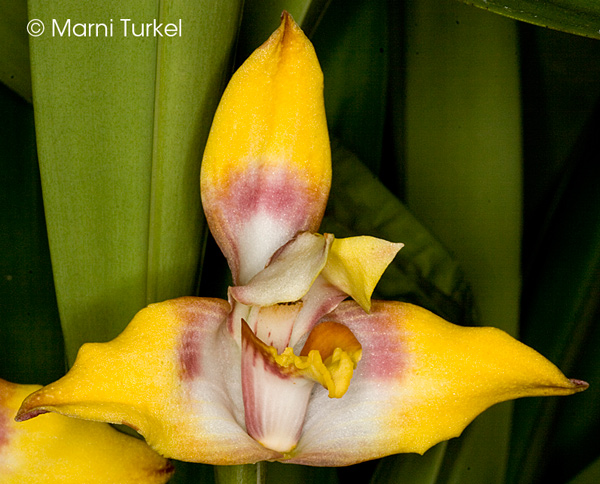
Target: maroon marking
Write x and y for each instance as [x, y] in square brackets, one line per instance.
[31, 414]
[580, 384]
[168, 469]
[200, 319]
[189, 353]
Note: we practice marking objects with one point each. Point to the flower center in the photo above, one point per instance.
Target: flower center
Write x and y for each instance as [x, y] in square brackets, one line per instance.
[277, 386]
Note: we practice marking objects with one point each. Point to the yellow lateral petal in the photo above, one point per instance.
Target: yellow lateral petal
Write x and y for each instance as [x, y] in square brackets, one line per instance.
[356, 264]
[421, 380]
[56, 449]
[266, 170]
[171, 375]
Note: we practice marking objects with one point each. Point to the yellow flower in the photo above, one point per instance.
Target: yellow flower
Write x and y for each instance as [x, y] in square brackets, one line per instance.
[286, 369]
[54, 448]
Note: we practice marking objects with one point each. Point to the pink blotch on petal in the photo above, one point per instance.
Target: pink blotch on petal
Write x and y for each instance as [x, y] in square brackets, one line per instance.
[280, 195]
[189, 356]
[5, 428]
[381, 336]
[277, 192]
[200, 317]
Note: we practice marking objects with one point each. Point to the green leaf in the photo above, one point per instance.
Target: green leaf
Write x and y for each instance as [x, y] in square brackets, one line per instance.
[120, 126]
[352, 44]
[295, 474]
[581, 17]
[461, 139]
[190, 78]
[413, 468]
[560, 90]
[560, 75]
[30, 335]
[14, 62]
[590, 475]
[188, 473]
[262, 17]
[423, 272]
[562, 307]
[462, 146]
[574, 437]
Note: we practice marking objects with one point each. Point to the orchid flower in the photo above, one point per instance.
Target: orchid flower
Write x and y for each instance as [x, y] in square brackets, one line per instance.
[287, 369]
[55, 448]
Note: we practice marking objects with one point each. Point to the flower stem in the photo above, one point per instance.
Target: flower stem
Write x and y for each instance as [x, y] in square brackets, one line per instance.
[241, 474]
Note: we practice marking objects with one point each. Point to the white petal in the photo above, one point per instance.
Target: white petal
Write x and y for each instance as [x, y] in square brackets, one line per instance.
[289, 274]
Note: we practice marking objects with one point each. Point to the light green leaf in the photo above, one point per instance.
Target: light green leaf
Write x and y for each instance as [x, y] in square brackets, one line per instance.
[462, 146]
[581, 17]
[14, 61]
[190, 78]
[121, 122]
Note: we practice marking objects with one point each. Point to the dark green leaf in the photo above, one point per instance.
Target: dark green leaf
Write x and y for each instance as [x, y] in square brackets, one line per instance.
[561, 301]
[590, 475]
[352, 44]
[30, 335]
[423, 271]
[581, 17]
[294, 474]
[413, 468]
[14, 61]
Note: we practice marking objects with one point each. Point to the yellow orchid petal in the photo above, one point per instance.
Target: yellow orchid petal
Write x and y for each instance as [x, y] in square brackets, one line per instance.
[173, 375]
[54, 448]
[421, 380]
[266, 170]
[356, 264]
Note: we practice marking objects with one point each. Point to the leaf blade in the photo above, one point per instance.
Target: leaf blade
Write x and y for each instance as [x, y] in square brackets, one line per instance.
[14, 63]
[581, 17]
